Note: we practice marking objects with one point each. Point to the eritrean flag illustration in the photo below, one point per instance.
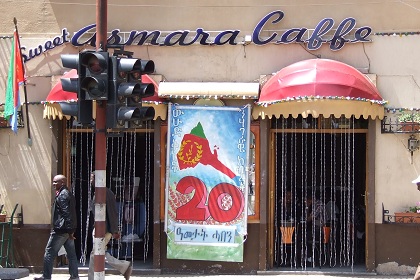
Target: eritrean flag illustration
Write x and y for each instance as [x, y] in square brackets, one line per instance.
[195, 149]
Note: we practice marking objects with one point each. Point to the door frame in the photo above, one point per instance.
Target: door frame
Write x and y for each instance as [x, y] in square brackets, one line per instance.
[369, 191]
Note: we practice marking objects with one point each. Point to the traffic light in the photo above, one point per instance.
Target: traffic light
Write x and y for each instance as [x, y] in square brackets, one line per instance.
[124, 109]
[83, 108]
[95, 66]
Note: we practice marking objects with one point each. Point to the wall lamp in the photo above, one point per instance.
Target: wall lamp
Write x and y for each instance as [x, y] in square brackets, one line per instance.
[413, 143]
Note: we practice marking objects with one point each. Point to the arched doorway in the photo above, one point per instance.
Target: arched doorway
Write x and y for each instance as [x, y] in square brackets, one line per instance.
[321, 109]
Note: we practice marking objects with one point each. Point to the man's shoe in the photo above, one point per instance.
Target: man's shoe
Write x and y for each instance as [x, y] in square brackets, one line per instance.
[127, 273]
[41, 278]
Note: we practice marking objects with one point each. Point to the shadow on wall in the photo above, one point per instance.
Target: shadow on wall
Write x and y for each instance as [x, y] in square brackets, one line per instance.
[29, 246]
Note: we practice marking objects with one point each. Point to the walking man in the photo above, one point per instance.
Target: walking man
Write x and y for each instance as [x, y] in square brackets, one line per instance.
[124, 267]
[64, 224]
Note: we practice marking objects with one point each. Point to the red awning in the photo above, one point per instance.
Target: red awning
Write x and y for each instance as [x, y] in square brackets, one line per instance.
[317, 83]
[57, 93]
[155, 98]
[52, 109]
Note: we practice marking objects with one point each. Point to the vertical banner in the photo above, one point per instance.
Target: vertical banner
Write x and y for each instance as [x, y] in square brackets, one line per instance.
[206, 184]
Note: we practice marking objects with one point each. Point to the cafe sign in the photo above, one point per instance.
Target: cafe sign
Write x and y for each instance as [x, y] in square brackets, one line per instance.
[325, 32]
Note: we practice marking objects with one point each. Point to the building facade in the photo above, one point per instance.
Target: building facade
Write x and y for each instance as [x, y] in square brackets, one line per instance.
[328, 141]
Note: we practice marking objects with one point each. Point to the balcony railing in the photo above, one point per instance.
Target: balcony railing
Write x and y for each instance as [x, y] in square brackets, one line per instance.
[399, 120]
[400, 218]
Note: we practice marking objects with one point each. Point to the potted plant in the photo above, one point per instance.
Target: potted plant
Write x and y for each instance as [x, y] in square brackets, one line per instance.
[3, 121]
[410, 121]
[410, 216]
[415, 208]
[3, 215]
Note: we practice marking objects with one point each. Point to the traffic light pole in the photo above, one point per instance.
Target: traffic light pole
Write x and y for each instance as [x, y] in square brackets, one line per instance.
[100, 153]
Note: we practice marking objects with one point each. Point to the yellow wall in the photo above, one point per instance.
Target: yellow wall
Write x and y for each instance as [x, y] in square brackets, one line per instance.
[25, 171]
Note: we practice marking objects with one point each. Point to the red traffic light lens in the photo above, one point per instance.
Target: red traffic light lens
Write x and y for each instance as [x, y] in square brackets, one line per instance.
[97, 63]
[94, 65]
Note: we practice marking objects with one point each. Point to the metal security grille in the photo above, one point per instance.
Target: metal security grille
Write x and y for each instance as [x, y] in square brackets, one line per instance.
[320, 183]
[129, 176]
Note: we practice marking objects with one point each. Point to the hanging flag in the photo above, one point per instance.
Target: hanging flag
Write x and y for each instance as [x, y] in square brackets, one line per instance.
[195, 149]
[15, 78]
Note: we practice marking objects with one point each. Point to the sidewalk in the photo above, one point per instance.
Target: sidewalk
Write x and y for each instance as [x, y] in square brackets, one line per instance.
[288, 276]
[337, 273]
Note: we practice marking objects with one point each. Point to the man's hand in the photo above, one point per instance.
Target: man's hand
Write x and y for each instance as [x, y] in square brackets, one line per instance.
[71, 236]
[116, 235]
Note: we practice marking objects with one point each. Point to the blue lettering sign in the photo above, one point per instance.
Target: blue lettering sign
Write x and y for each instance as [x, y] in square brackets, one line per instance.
[318, 37]
[338, 41]
[182, 35]
[115, 38]
[300, 32]
[257, 31]
[199, 33]
[48, 45]
[92, 40]
[143, 37]
[361, 34]
[231, 34]
[323, 27]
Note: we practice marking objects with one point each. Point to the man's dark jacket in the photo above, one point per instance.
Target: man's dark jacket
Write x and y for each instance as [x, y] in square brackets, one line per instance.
[111, 211]
[64, 219]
